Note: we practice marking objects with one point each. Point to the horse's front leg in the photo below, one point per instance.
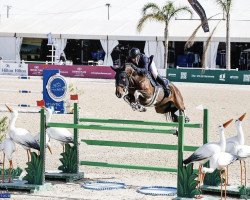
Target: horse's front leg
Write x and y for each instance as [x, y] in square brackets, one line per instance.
[138, 105]
[129, 98]
[135, 105]
[137, 95]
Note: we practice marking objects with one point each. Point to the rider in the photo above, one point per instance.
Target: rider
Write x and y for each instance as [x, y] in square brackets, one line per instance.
[142, 62]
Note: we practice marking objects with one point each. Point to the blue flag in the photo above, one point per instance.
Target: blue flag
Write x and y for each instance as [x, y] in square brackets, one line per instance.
[201, 12]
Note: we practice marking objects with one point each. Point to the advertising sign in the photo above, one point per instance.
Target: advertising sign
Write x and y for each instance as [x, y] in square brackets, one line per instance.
[14, 69]
[55, 90]
[209, 76]
[77, 71]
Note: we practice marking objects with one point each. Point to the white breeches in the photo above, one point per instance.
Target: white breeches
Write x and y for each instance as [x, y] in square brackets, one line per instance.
[153, 70]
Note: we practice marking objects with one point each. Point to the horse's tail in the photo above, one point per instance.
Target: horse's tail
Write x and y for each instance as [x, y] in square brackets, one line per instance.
[168, 116]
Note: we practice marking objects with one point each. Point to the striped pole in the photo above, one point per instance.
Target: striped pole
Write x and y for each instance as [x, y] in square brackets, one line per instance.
[42, 144]
[20, 105]
[180, 149]
[76, 133]
[21, 91]
[21, 77]
[22, 111]
[205, 126]
[205, 130]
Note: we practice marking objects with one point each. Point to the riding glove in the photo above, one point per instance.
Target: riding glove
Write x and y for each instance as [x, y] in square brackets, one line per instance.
[141, 71]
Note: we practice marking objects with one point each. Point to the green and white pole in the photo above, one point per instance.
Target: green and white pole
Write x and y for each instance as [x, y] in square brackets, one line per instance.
[76, 133]
[180, 149]
[42, 144]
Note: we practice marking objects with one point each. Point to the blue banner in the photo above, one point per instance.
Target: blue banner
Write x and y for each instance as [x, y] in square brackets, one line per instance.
[54, 90]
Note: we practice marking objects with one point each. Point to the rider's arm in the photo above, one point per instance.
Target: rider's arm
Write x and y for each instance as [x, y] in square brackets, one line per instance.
[144, 62]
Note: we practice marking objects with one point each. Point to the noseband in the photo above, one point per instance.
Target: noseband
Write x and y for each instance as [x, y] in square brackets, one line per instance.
[122, 81]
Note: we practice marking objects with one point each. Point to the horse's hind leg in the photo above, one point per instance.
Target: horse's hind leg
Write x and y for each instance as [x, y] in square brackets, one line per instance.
[170, 112]
[174, 114]
[187, 119]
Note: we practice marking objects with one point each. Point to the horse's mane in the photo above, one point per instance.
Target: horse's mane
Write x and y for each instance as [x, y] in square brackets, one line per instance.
[128, 68]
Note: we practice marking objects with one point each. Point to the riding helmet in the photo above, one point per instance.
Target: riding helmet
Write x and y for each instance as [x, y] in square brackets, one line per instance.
[134, 52]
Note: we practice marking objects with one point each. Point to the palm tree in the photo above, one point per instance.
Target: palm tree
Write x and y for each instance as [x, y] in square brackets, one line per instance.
[226, 6]
[165, 14]
[190, 41]
[3, 128]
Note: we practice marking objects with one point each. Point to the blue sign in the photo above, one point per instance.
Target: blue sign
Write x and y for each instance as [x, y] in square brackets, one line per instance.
[5, 195]
[54, 90]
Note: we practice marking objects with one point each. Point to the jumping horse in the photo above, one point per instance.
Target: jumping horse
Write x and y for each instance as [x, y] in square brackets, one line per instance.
[138, 91]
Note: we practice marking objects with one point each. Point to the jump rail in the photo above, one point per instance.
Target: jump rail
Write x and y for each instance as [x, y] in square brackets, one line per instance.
[21, 77]
[22, 91]
[99, 126]
[20, 105]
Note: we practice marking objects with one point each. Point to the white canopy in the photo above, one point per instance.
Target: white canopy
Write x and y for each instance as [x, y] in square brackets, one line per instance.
[87, 19]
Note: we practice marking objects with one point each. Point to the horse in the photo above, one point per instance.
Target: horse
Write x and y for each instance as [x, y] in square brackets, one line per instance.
[138, 91]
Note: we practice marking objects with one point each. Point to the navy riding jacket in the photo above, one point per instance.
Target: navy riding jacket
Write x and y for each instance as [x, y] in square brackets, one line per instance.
[143, 63]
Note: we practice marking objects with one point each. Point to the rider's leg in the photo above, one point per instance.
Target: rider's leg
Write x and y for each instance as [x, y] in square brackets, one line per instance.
[158, 78]
[153, 70]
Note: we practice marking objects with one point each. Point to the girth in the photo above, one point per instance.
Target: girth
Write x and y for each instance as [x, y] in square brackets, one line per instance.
[155, 96]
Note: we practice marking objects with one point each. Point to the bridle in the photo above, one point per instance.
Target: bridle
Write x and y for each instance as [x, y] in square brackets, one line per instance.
[124, 81]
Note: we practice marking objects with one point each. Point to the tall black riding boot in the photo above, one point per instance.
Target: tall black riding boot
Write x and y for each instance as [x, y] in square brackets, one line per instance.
[160, 80]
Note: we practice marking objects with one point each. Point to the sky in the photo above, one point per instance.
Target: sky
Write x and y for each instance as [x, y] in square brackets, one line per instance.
[90, 18]
[119, 9]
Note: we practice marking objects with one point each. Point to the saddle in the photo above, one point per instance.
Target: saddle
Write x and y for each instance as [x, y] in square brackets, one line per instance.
[149, 74]
[152, 79]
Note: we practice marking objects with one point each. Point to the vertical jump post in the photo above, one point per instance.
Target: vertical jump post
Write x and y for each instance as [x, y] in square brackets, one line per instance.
[76, 133]
[42, 143]
[180, 148]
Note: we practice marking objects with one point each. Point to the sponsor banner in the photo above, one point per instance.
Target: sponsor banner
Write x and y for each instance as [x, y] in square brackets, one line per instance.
[77, 71]
[209, 76]
[14, 69]
[54, 90]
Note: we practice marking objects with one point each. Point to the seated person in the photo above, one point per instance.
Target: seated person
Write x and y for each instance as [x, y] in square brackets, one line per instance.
[62, 59]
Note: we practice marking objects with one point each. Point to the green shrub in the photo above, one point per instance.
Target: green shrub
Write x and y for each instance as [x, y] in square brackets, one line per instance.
[187, 185]
[69, 160]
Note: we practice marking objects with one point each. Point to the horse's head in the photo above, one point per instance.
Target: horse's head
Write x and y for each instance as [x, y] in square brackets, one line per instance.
[122, 81]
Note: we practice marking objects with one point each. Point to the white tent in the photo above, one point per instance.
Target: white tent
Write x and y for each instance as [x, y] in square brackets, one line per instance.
[88, 19]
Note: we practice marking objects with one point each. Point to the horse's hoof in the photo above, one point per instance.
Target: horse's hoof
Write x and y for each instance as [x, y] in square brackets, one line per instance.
[174, 119]
[187, 119]
[176, 133]
[142, 109]
[133, 106]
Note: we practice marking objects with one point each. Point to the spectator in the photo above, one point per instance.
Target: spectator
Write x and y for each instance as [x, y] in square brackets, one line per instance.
[62, 59]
